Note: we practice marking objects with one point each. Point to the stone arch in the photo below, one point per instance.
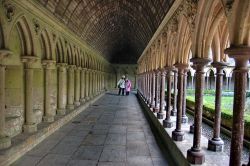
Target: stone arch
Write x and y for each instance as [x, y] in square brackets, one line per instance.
[59, 51]
[46, 45]
[69, 54]
[2, 44]
[26, 36]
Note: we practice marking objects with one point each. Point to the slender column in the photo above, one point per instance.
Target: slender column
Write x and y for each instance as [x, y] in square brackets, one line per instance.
[192, 77]
[216, 143]
[152, 105]
[49, 113]
[62, 88]
[30, 125]
[77, 87]
[70, 92]
[83, 85]
[227, 87]
[162, 94]
[87, 84]
[149, 88]
[91, 84]
[230, 82]
[167, 121]
[207, 78]
[5, 141]
[174, 110]
[184, 118]
[156, 108]
[195, 155]
[178, 134]
[241, 57]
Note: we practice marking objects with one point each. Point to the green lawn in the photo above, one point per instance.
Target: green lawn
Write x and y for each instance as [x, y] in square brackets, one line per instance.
[226, 104]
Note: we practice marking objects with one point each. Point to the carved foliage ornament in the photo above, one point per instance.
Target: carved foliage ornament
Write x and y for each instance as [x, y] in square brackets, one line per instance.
[9, 10]
[36, 26]
[191, 12]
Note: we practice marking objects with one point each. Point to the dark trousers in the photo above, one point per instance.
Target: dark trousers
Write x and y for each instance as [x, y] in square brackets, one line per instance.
[127, 93]
[121, 90]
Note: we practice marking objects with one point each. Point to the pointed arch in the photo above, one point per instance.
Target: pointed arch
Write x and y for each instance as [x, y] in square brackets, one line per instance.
[46, 45]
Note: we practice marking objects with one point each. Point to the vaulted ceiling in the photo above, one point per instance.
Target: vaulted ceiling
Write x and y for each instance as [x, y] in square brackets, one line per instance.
[118, 29]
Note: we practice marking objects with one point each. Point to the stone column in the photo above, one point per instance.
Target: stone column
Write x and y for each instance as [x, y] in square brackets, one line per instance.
[207, 78]
[90, 84]
[216, 143]
[184, 118]
[241, 56]
[195, 155]
[149, 89]
[49, 67]
[162, 93]
[87, 84]
[192, 86]
[174, 110]
[5, 141]
[152, 105]
[167, 121]
[62, 88]
[77, 87]
[156, 104]
[83, 85]
[70, 92]
[227, 87]
[30, 125]
[178, 134]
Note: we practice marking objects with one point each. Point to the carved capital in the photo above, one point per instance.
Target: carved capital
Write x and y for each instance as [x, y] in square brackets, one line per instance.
[9, 10]
[29, 61]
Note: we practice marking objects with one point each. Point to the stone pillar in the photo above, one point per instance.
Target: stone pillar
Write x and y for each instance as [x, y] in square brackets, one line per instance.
[227, 87]
[174, 110]
[178, 134]
[152, 105]
[5, 141]
[167, 121]
[77, 87]
[156, 104]
[162, 93]
[62, 88]
[184, 118]
[241, 56]
[70, 92]
[216, 143]
[49, 67]
[83, 85]
[30, 125]
[195, 155]
[90, 84]
[149, 89]
[192, 85]
[87, 84]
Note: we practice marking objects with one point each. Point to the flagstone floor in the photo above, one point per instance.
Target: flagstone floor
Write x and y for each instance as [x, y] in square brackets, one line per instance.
[111, 132]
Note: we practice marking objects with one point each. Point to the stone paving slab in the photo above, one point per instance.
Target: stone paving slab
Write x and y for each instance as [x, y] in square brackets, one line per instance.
[111, 132]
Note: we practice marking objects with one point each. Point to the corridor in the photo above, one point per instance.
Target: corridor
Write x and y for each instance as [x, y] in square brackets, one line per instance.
[113, 131]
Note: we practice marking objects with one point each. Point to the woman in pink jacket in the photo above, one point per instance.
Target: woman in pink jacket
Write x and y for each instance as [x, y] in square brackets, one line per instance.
[127, 86]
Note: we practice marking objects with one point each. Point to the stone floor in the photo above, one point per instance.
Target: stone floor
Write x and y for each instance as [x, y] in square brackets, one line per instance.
[112, 132]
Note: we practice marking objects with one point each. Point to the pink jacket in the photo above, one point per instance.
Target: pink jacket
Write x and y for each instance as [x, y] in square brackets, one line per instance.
[128, 86]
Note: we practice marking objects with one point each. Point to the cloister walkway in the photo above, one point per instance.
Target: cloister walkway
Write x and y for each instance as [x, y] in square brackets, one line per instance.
[113, 131]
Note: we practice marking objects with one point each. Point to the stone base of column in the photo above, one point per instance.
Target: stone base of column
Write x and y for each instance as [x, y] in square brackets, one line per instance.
[191, 129]
[195, 156]
[173, 112]
[151, 105]
[48, 119]
[184, 119]
[160, 115]
[5, 142]
[30, 128]
[82, 100]
[216, 145]
[178, 135]
[61, 111]
[155, 109]
[70, 106]
[167, 123]
[77, 103]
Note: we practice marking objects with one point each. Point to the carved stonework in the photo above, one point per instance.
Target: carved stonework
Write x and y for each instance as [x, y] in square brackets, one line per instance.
[190, 8]
[228, 6]
[36, 26]
[9, 11]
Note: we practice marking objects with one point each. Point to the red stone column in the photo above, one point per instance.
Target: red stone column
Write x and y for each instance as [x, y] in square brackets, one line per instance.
[162, 93]
[184, 118]
[216, 143]
[156, 104]
[195, 155]
[178, 134]
[167, 121]
[241, 57]
[174, 110]
[152, 105]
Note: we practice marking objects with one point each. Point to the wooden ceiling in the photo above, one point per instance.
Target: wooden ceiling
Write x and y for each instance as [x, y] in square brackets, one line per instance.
[118, 29]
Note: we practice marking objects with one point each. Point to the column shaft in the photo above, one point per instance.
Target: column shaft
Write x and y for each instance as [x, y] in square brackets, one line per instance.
[162, 94]
[62, 89]
[174, 110]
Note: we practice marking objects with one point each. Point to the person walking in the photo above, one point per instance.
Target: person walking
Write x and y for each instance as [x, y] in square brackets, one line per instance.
[127, 86]
[121, 85]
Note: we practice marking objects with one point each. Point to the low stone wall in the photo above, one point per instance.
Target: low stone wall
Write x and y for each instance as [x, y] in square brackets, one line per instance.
[174, 154]
[17, 150]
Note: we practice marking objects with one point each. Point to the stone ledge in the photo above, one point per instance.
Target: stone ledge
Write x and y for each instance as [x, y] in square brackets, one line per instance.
[177, 151]
[25, 142]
